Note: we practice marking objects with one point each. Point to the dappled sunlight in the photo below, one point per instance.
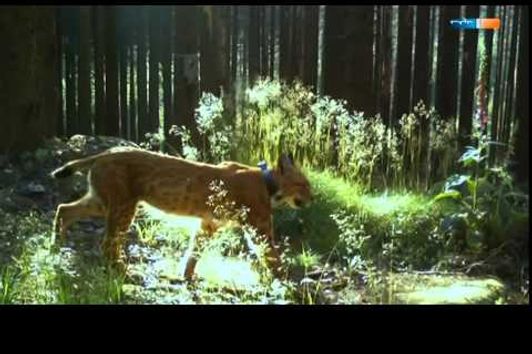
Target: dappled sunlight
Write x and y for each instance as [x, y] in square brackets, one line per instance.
[216, 270]
[168, 268]
[461, 292]
[190, 225]
[227, 272]
[388, 204]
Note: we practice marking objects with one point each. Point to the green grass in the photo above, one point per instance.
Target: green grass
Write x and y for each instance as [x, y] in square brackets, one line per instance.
[315, 227]
[372, 234]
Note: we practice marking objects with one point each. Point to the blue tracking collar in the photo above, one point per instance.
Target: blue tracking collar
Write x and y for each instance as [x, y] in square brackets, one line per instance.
[268, 178]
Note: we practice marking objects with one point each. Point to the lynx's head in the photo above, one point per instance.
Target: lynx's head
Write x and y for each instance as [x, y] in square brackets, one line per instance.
[294, 187]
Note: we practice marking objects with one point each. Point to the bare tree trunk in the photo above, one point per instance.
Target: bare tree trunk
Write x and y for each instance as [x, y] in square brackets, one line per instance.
[265, 40]
[142, 81]
[285, 44]
[310, 45]
[522, 167]
[448, 63]
[404, 56]
[71, 19]
[166, 61]
[84, 84]
[123, 44]
[213, 67]
[186, 89]
[133, 127]
[29, 91]
[112, 117]
[155, 55]
[468, 80]
[99, 69]
[254, 43]
[421, 58]
[61, 129]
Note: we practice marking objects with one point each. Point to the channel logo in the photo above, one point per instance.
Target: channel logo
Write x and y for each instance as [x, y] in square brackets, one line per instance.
[476, 23]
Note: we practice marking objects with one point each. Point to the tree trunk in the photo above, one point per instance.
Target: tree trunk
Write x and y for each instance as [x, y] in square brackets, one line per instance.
[468, 80]
[333, 81]
[346, 44]
[264, 40]
[29, 91]
[71, 20]
[404, 63]
[522, 169]
[166, 60]
[493, 87]
[310, 45]
[133, 127]
[155, 55]
[421, 58]
[61, 129]
[234, 44]
[273, 39]
[254, 43]
[285, 44]
[123, 43]
[99, 69]
[84, 83]
[213, 67]
[112, 117]
[186, 89]
[142, 81]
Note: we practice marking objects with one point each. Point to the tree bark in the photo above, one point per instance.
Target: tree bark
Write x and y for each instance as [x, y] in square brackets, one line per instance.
[29, 91]
[468, 80]
[99, 69]
[84, 84]
[254, 43]
[112, 117]
[142, 81]
[522, 168]
[155, 55]
[186, 85]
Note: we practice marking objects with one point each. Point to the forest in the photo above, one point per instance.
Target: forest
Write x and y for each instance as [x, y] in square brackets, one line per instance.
[413, 135]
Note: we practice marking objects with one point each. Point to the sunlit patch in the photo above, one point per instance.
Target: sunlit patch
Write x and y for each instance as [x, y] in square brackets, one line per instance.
[227, 272]
[388, 204]
[190, 225]
[463, 292]
[168, 268]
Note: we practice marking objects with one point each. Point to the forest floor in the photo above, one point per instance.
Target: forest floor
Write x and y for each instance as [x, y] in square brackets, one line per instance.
[32, 270]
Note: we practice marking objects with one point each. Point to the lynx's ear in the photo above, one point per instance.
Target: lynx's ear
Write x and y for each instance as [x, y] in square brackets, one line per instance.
[285, 162]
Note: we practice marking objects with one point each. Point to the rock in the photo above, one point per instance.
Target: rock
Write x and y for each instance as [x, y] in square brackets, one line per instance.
[14, 202]
[34, 188]
[8, 176]
[132, 290]
[307, 281]
[327, 282]
[135, 277]
[451, 290]
[42, 155]
[328, 296]
[85, 145]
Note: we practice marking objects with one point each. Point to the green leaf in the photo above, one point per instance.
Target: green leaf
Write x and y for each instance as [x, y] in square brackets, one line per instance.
[471, 156]
[448, 194]
[455, 182]
[471, 186]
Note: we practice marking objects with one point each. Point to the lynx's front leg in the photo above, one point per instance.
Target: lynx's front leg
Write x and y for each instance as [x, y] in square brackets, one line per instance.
[208, 228]
[264, 226]
[69, 213]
